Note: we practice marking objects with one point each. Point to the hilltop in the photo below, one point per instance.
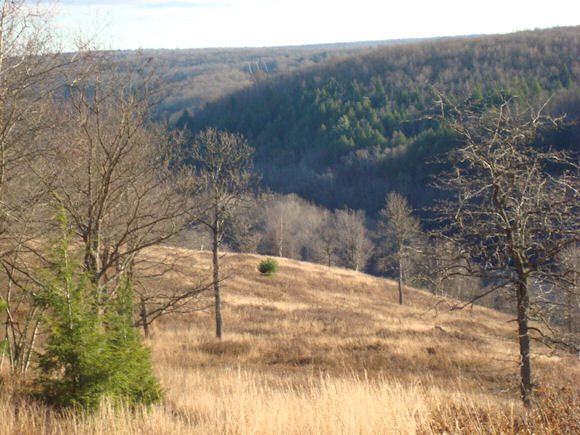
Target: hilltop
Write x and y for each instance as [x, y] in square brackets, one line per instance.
[326, 350]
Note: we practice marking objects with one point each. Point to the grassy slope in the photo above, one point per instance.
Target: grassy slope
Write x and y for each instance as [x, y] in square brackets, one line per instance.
[325, 350]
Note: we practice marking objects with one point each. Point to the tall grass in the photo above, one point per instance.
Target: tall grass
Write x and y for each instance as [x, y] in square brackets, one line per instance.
[315, 350]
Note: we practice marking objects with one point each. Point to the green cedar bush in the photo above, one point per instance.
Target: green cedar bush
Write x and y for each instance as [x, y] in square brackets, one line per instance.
[92, 350]
[268, 267]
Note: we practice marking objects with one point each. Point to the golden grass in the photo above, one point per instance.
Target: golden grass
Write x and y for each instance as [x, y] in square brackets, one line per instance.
[317, 350]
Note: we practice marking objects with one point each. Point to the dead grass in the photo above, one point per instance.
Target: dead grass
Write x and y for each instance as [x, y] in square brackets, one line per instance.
[318, 350]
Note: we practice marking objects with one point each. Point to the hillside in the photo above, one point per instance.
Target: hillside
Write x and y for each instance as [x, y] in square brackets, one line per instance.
[347, 130]
[195, 77]
[325, 350]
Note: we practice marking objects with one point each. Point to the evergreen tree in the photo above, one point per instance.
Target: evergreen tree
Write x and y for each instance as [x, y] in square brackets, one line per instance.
[92, 350]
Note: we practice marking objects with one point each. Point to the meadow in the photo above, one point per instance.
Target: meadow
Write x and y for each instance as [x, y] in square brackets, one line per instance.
[316, 350]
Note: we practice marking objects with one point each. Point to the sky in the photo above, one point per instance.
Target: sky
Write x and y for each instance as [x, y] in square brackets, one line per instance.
[134, 24]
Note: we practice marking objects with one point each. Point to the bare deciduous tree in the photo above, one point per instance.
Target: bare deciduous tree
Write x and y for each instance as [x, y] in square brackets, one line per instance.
[116, 173]
[30, 63]
[517, 205]
[569, 292]
[224, 162]
[168, 285]
[246, 224]
[76, 127]
[402, 230]
[354, 247]
[283, 219]
[328, 238]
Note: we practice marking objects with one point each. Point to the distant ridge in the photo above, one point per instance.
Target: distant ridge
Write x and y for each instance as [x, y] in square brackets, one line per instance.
[381, 42]
[348, 129]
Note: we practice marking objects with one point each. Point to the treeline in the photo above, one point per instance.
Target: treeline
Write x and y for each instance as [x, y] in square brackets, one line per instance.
[292, 227]
[349, 130]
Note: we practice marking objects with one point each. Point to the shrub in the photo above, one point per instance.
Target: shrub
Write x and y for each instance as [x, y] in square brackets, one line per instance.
[268, 267]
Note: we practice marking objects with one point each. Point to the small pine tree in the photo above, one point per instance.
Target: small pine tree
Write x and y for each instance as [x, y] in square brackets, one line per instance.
[92, 351]
[268, 267]
[131, 375]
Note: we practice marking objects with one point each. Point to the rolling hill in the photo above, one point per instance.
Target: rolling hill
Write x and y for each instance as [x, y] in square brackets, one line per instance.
[325, 350]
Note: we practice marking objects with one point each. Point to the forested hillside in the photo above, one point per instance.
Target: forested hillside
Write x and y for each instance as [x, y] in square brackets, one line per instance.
[195, 77]
[348, 130]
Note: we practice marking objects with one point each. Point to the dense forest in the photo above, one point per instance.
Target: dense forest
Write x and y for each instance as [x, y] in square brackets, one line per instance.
[195, 77]
[347, 130]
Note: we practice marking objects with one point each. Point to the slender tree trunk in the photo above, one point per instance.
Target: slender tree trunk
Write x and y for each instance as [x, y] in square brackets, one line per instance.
[281, 238]
[524, 338]
[400, 282]
[400, 261]
[216, 283]
[569, 312]
[144, 316]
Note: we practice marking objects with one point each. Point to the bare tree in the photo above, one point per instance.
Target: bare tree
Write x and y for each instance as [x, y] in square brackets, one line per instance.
[441, 260]
[328, 238]
[313, 220]
[76, 127]
[517, 206]
[224, 162]
[117, 174]
[245, 225]
[283, 224]
[168, 285]
[569, 292]
[402, 229]
[30, 63]
[354, 247]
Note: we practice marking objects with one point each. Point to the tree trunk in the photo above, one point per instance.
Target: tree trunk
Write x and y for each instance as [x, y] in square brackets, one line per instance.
[281, 239]
[400, 282]
[144, 316]
[524, 338]
[216, 284]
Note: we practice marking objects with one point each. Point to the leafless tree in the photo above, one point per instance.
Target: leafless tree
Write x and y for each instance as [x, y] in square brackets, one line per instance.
[516, 206]
[441, 261]
[30, 64]
[283, 224]
[295, 228]
[310, 237]
[118, 175]
[167, 284]
[245, 225]
[568, 292]
[328, 238]
[354, 247]
[76, 127]
[402, 229]
[224, 162]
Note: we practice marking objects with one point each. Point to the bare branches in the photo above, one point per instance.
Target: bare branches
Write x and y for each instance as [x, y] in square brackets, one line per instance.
[403, 229]
[517, 203]
[114, 170]
[223, 161]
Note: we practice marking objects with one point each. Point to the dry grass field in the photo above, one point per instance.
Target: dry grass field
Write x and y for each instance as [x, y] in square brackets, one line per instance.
[317, 350]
